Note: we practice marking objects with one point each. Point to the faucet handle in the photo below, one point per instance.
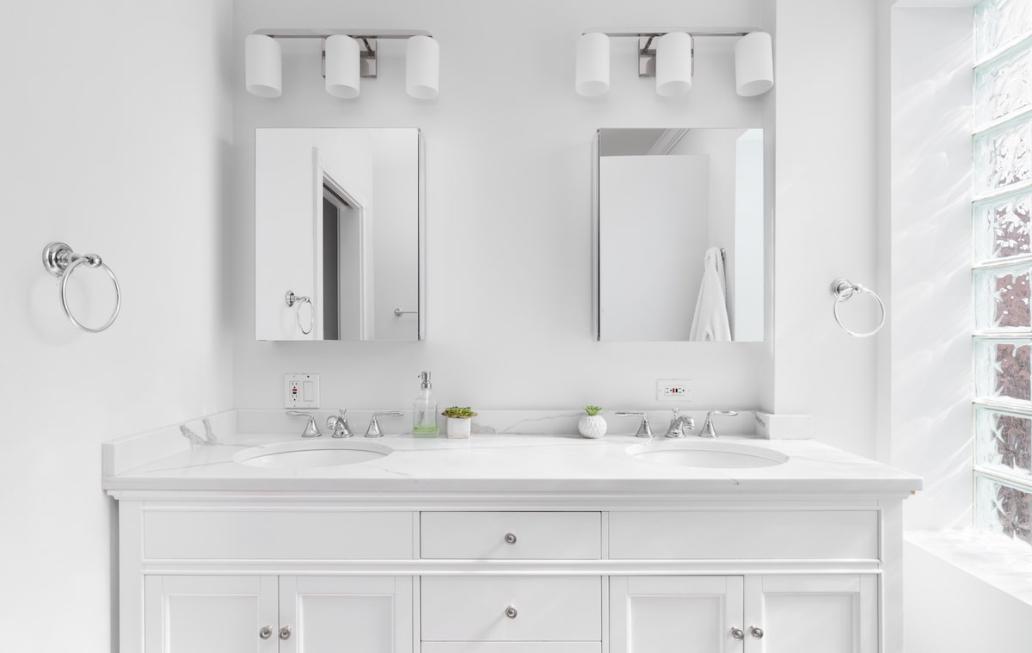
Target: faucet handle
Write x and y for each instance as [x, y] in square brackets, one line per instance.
[644, 428]
[708, 430]
[338, 424]
[374, 430]
[311, 428]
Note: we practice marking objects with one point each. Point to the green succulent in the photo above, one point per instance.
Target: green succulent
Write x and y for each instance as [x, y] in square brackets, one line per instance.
[459, 412]
[592, 410]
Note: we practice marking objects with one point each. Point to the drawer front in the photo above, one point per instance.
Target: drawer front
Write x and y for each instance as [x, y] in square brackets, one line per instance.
[511, 535]
[276, 534]
[748, 534]
[554, 608]
[512, 647]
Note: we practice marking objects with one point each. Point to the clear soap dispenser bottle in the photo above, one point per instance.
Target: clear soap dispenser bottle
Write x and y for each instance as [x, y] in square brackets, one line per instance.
[424, 410]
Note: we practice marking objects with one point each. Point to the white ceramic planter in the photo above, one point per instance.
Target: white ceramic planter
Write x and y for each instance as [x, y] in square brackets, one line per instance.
[592, 426]
[459, 427]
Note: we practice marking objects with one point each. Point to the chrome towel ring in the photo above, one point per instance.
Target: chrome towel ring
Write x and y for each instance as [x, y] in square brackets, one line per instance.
[61, 261]
[299, 300]
[844, 290]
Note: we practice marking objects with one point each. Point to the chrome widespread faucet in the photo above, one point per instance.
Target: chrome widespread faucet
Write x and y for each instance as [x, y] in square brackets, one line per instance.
[644, 428]
[338, 424]
[708, 430]
[374, 430]
[680, 425]
[311, 428]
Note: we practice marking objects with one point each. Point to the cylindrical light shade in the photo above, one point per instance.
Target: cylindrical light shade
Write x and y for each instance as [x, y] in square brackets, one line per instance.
[754, 64]
[592, 64]
[263, 66]
[343, 66]
[422, 67]
[673, 64]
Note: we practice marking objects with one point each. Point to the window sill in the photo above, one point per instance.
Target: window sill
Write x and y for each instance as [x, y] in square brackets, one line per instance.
[996, 560]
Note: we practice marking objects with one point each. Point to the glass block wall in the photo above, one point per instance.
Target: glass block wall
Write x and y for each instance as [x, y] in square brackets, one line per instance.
[1002, 274]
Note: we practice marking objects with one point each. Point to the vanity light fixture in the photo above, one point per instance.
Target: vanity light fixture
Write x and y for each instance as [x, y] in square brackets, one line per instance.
[668, 55]
[348, 55]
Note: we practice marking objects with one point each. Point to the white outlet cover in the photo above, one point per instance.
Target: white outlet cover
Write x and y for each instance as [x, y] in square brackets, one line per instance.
[673, 389]
[301, 390]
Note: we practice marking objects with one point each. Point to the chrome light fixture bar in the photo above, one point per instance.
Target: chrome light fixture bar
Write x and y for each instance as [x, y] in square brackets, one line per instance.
[367, 38]
[647, 40]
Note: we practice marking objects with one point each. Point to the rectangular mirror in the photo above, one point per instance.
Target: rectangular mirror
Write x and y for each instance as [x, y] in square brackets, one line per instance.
[680, 235]
[339, 234]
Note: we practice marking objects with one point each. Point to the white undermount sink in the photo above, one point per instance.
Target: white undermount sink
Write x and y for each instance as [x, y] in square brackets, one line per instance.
[712, 454]
[311, 453]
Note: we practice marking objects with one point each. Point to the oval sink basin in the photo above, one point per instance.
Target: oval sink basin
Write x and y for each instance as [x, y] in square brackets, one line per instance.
[708, 454]
[310, 454]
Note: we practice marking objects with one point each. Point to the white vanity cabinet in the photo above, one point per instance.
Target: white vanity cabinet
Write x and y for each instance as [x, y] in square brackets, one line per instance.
[284, 614]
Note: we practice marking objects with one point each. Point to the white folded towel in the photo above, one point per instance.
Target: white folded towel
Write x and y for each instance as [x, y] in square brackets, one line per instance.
[711, 322]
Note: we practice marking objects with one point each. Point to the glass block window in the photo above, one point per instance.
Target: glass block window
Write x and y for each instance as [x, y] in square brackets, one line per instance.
[1002, 276]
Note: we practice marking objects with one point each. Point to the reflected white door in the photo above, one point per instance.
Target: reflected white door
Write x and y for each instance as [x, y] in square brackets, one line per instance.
[675, 614]
[210, 614]
[330, 614]
[812, 614]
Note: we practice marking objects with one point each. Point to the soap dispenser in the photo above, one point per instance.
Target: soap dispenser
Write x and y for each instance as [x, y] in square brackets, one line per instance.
[424, 410]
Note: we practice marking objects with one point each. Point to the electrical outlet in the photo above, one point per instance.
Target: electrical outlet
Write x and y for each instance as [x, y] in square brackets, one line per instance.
[301, 391]
[672, 389]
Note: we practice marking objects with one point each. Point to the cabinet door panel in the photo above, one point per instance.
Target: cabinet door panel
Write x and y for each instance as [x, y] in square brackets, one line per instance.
[329, 614]
[812, 614]
[209, 614]
[674, 614]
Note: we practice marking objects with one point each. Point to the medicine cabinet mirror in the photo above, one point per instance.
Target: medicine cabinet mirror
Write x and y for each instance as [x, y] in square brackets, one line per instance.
[680, 235]
[339, 234]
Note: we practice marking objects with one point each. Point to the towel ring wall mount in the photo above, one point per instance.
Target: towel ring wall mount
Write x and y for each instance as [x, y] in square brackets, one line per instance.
[293, 300]
[60, 260]
[844, 290]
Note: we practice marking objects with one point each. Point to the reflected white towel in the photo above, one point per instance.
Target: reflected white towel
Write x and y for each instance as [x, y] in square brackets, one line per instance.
[711, 322]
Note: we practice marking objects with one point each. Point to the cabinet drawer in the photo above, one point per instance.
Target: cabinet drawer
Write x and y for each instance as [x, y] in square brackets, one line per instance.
[512, 647]
[750, 534]
[512, 535]
[276, 534]
[555, 608]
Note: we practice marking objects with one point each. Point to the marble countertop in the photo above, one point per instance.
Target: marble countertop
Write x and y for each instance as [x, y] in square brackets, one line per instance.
[497, 463]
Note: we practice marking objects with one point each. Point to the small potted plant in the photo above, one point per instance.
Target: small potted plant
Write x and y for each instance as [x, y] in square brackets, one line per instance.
[592, 424]
[460, 421]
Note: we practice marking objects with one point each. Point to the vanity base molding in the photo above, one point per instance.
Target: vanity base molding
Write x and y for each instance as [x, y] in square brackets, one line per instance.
[279, 574]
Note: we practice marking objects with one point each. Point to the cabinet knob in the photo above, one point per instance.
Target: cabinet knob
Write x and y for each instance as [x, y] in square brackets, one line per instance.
[756, 632]
[510, 612]
[265, 632]
[284, 632]
[738, 633]
[510, 538]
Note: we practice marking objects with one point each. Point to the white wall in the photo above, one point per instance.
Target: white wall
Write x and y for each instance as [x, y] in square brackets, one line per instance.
[116, 138]
[509, 168]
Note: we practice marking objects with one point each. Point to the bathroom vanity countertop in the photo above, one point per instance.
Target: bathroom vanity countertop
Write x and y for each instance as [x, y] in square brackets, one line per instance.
[506, 463]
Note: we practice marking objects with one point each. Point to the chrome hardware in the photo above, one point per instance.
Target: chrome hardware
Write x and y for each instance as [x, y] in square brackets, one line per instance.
[338, 424]
[311, 428]
[708, 431]
[265, 632]
[284, 632]
[299, 300]
[844, 290]
[511, 613]
[510, 538]
[644, 429]
[61, 261]
[374, 430]
[680, 426]
[737, 633]
[398, 312]
[756, 632]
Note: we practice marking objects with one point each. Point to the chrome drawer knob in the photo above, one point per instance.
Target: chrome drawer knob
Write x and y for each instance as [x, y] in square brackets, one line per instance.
[510, 538]
[265, 632]
[510, 612]
[738, 633]
[756, 632]
[284, 632]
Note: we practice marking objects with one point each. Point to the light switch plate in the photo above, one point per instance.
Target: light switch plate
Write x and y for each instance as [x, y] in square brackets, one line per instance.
[301, 391]
[672, 389]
